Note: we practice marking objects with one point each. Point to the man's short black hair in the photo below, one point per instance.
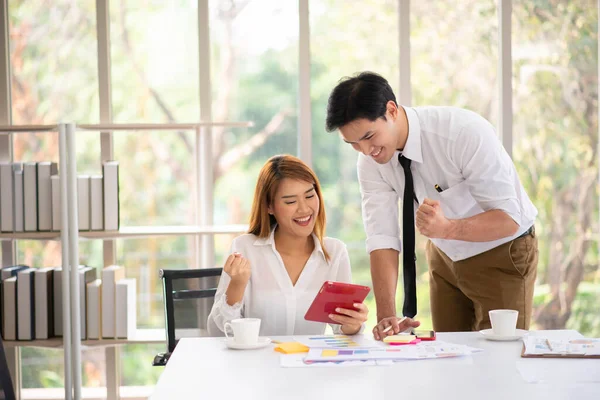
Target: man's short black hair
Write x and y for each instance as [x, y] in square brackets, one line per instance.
[362, 96]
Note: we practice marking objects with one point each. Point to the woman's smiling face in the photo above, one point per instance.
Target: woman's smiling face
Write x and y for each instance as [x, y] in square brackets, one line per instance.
[295, 207]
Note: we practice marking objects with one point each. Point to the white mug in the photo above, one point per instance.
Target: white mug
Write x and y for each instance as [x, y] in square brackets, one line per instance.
[504, 322]
[245, 330]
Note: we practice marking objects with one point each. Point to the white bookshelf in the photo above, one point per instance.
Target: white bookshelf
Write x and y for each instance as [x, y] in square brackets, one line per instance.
[134, 232]
[71, 343]
[142, 336]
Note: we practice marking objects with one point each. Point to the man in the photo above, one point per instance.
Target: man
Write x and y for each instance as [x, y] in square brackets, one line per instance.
[460, 188]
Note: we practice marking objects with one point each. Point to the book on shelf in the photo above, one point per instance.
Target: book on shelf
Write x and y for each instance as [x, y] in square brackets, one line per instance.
[45, 170]
[30, 196]
[96, 203]
[94, 309]
[86, 275]
[56, 207]
[57, 296]
[26, 304]
[9, 308]
[44, 303]
[110, 276]
[110, 172]
[11, 271]
[6, 273]
[126, 310]
[83, 202]
[18, 197]
[6, 197]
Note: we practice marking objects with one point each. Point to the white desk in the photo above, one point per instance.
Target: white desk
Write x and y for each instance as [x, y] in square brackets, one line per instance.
[204, 368]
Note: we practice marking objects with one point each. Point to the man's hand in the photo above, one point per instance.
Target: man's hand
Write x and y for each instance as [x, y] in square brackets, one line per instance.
[392, 326]
[431, 221]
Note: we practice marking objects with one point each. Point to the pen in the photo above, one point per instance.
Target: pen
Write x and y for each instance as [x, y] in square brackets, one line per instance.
[438, 188]
[549, 345]
[390, 327]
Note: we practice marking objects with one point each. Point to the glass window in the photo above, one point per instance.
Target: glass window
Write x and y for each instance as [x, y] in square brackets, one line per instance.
[454, 55]
[156, 177]
[54, 63]
[42, 368]
[351, 47]
[555, 77]
[154, 60]
[254, 78]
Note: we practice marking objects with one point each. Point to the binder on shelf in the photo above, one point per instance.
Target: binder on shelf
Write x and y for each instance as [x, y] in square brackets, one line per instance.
[9, 308]
[126, 310]
[96, 203]
[110, 276]
[56, 207]
[30, 196]
[86, 275]
[6, 273]
[57, 295]
[6, 197]
[94, 309]
[45, 170]
[13, 270]
[110, 172]
[26, 304]
[19, 216]
[44, 303]
[83, 202]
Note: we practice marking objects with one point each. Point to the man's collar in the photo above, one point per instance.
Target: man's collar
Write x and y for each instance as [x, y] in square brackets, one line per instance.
[412, 148]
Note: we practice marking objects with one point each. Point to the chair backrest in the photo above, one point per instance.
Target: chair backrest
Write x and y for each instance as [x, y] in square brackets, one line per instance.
[188, 297]
[7, 391]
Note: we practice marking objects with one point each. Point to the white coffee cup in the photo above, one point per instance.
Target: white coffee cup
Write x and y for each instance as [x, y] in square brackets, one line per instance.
[504, 322]
[245, 330]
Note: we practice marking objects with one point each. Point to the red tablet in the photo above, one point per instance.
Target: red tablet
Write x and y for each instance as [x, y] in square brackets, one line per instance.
[333, 295]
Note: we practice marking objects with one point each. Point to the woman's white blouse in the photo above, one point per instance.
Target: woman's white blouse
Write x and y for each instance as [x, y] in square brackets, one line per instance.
[270, 294]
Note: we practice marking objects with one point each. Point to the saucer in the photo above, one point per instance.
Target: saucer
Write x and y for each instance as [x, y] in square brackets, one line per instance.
[262, 342]
[489, 335]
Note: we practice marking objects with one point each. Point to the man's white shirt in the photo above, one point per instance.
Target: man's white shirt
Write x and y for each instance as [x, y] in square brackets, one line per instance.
[270, 294]
[458, 150]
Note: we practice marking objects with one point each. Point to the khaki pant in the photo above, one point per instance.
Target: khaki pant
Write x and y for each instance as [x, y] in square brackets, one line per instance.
[463, 292]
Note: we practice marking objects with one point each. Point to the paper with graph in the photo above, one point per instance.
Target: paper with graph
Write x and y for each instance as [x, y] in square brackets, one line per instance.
[573, 347]
[419, 351]
[338, 342]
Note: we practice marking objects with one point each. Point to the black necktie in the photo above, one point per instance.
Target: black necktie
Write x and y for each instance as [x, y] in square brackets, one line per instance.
[409, 309]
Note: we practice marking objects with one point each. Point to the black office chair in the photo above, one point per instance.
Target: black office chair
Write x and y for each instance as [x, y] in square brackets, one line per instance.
[7, 391]
[188, 297]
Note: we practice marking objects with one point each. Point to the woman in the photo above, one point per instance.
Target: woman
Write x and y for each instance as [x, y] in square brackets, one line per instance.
[277, 268]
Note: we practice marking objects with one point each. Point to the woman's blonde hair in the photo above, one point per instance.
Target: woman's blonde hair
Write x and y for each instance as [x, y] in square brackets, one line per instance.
[271, 174]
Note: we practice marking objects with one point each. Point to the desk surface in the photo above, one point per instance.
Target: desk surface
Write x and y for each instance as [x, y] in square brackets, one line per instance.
[206, 368]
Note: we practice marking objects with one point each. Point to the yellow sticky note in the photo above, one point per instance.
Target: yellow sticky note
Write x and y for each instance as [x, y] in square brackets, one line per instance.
[291, 348]
[399, 339]
[329, 353]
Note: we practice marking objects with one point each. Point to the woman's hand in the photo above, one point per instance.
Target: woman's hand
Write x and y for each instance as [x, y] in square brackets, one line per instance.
[392, 326]
[238, 268]
[351, 320]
